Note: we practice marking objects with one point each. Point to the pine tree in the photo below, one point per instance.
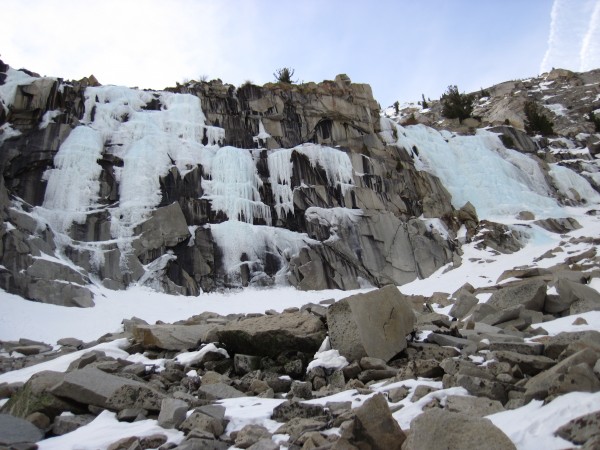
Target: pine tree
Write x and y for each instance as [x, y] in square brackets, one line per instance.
[536, 121]
[456, 105]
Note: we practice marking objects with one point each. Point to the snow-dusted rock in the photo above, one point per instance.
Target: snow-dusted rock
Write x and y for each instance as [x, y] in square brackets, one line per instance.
[372, 324]
[172, 337]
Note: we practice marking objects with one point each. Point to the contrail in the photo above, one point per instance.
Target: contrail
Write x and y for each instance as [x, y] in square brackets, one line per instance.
[574, 39]
[590, 47]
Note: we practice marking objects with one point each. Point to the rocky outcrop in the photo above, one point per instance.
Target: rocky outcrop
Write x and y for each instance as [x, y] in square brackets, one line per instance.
[353, 195]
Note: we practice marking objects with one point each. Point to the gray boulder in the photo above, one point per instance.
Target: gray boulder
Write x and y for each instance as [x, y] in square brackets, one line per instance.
[581, 429]
[218, 391]
[172, 412]
[14, 431]
[34, 396]
[438, 429]
[579, 297]
[204, 422]
[371, 324]
[66, 424]
[530, 294]
[273, 335]
[473, 406]
[172, 337]
[555, 345]
[465, 302]
[539, 386]
[165, 228]
[91, 386]
[59, 293]
[374, 427]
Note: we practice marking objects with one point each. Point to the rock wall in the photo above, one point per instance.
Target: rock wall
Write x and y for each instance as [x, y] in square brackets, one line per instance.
[326, 203]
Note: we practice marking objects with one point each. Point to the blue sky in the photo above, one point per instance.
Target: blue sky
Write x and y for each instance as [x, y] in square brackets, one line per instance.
[401, 48]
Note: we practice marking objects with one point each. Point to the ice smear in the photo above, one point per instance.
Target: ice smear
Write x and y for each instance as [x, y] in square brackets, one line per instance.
[7, 132]
[48, 118]
[242, 243]
[8, 90]
[572, 185]
[104, 430]
[148, 141]
[532, 426]
[234, 187]
[262, 135]
[335, 163]
[73, 183]
[333, 216]
[479, 169]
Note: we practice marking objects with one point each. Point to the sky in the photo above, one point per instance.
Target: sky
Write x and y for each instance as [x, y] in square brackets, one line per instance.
[402, 48]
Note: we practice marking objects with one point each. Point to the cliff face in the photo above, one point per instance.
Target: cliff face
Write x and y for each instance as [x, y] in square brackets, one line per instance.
[204, 186]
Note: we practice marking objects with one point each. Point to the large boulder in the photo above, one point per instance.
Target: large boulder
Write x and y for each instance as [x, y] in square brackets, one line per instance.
[371, 324]
[91, 386]
[34, 397]
[272, 335]
[438, 429]
[14, 431]
[166, 227]
[578, 298]
[530, 294]
[581, 429]
[375, 426]
[171, 337]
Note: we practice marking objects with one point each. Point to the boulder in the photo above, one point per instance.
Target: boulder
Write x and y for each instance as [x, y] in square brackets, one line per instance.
[438, 429]
[528, 364]
[273, 335]
[555, 345]
[250, 435]
[371, 324]
[91, 386]
[539, 386]
[530, 294]
[166, 227]
[580, 298]
[14, 431]
[473, 406]
[64, 424]
[374, 427]
[34, 396]
[56, 292]
[218, 391]
[465, 302]
[581, 429]
[172, 412]
[172, 337]
[204, 422]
